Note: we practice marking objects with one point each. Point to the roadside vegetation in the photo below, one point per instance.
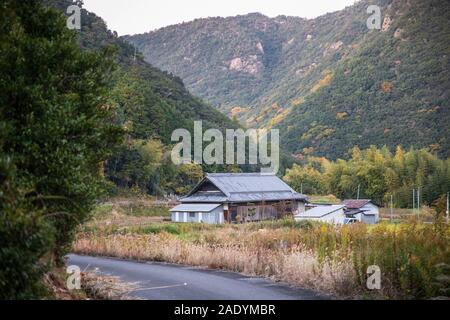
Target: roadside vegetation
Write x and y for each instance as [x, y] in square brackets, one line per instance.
[414, 257]
[57, 126]
[94, 286]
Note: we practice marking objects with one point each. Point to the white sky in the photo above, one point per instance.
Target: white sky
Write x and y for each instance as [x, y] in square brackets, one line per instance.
[139, 16]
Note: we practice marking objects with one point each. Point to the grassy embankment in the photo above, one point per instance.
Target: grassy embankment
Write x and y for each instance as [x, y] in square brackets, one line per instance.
[414, 257]
[94, 286]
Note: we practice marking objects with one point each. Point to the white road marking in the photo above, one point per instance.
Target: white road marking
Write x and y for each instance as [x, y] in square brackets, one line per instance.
[162, 287]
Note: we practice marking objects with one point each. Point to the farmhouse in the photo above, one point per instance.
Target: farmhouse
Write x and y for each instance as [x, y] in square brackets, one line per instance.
[364, 210]
[238, 197]
[324, 213]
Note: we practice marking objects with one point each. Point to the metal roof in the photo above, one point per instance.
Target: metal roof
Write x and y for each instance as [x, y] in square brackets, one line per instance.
[247, 182]
[198, 207]
[264, 196]
[206, 197]
[243, 187]
[321, 211]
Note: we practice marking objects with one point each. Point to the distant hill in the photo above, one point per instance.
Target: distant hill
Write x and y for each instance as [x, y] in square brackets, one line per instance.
[158, 101]
[328, 83]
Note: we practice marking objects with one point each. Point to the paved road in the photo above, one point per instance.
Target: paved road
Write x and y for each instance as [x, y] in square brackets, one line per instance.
[159, 281]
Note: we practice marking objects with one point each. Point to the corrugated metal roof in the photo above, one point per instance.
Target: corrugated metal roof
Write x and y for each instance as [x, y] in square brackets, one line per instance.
[244, 187]
[247, 182]
[321, 211]
[264, 196]
[197, 207]
[206, 197]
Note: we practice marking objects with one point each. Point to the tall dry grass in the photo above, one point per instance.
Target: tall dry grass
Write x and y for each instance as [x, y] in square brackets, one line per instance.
[413, 257]
[295, 265]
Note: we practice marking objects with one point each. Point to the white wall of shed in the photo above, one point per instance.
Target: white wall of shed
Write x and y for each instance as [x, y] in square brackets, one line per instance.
[336, 217]
[300, 207]
[213, 217]
[373, 210]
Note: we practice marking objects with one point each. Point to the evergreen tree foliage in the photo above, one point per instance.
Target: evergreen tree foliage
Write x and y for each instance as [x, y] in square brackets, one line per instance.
[56, 130]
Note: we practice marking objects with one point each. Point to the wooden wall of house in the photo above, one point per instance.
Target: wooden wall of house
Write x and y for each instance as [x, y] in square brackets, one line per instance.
[249, 213]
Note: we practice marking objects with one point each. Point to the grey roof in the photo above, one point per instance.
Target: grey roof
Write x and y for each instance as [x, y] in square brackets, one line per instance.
[191, 207]
[265, 196]
[319, 212]
[206, 197]
[244, 187]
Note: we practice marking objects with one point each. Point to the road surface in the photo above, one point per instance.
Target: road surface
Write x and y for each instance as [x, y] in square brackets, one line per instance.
[160, 281]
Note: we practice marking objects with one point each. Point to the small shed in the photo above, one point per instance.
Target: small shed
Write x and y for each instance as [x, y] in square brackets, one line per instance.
[364, 210]
[198, 212]
[326, 213]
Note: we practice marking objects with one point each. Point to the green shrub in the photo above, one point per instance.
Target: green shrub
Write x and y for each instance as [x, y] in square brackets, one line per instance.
[56, 128]
[158, 228]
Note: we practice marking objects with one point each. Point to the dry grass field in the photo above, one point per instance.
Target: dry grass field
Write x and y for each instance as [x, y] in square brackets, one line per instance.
[425, 214]
[414, 257]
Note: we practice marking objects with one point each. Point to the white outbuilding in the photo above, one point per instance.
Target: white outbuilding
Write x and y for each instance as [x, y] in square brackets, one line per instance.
[363, 210]
[211, 213]
[327, 213]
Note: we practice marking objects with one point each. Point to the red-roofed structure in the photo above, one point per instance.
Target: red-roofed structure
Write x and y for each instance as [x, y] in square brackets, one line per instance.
[364, 210]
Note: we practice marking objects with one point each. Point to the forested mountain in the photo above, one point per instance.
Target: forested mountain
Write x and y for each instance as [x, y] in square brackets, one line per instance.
[150, 104]
[328, 83]
[153, 102]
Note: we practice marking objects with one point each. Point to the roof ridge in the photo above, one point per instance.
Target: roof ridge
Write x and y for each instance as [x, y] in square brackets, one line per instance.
[275, 191]
[230, 174]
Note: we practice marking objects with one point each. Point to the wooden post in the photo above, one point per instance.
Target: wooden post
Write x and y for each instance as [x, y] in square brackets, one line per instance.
[226, 213]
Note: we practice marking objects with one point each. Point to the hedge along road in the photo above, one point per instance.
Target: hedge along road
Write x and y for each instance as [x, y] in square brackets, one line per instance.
[160, 281]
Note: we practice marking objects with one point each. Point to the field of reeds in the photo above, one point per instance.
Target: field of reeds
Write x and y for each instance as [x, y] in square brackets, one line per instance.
[414, 257]
[426, 214]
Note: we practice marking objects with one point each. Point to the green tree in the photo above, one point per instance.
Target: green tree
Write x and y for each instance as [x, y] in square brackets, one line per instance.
[57, 129]
[378, 174]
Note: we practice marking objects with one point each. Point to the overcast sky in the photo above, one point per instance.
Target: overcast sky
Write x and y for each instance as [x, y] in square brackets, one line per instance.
[139, 16]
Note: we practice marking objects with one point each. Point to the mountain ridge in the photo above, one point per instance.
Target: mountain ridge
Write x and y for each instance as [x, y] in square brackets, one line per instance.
[281, 72]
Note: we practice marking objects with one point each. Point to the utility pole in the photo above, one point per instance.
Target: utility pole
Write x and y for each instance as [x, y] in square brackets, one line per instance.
[446, 212]
[301, 188]
[392, 208]
[418, 202]
[357, 195]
